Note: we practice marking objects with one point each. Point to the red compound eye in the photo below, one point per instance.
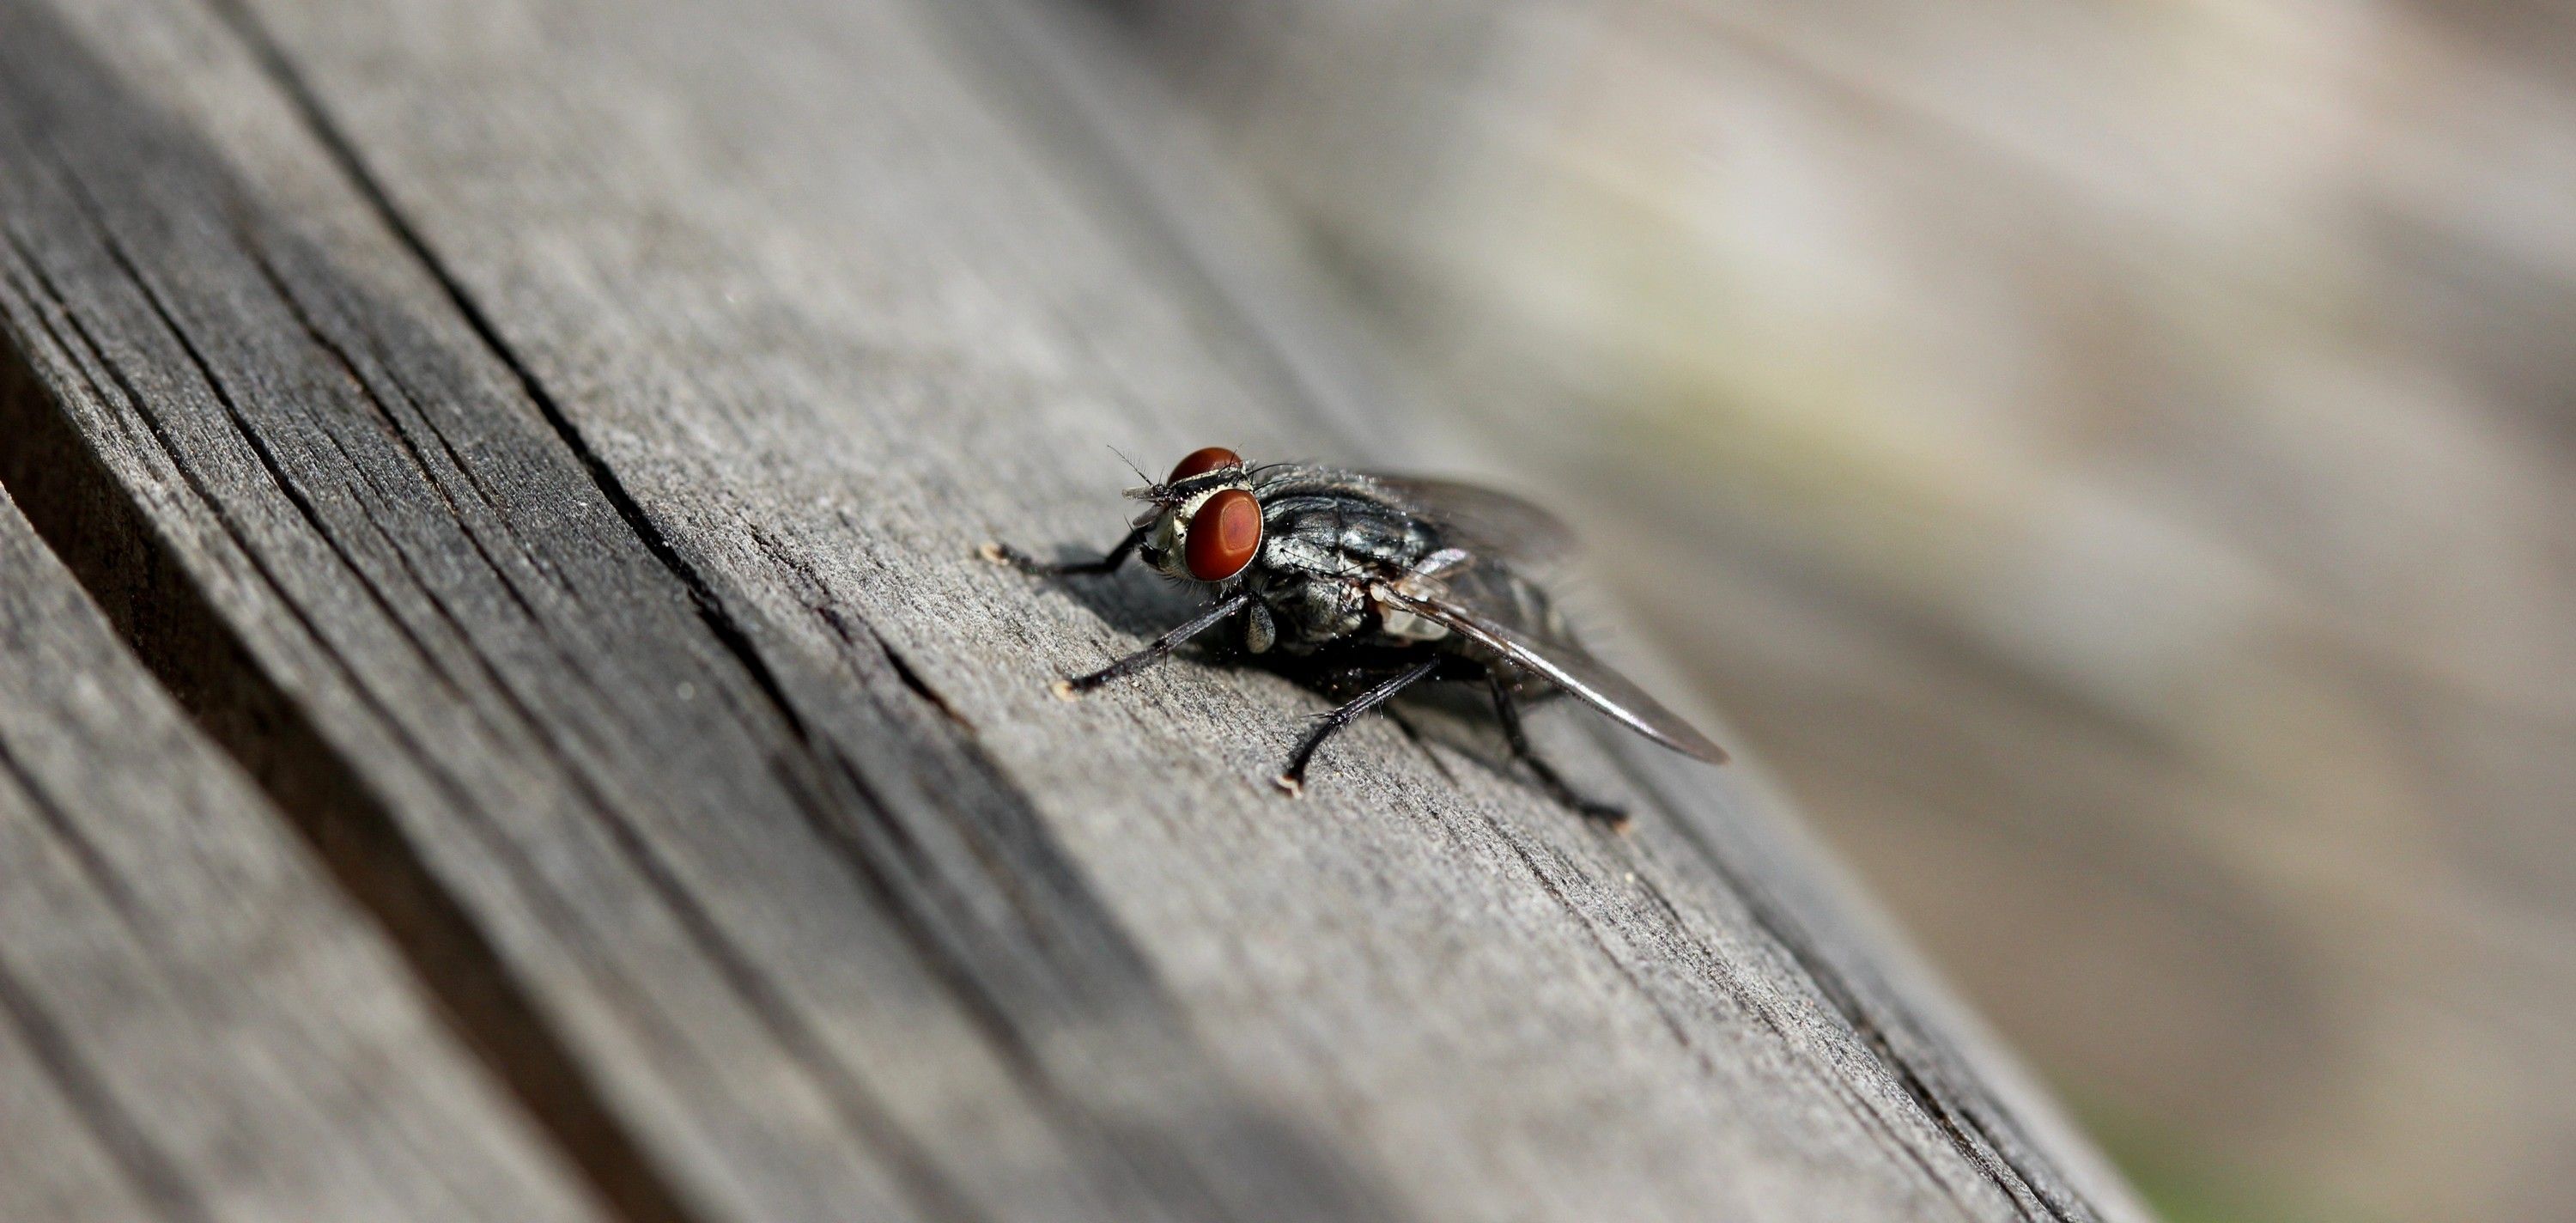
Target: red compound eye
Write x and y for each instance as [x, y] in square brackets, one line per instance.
[1223, 535]
[1202, 462]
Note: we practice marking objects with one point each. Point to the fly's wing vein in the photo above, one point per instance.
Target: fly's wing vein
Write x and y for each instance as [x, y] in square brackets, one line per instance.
[1564, 664]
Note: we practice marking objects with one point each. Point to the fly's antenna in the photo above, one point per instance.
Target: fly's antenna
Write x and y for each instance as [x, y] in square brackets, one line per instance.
[1131, 465]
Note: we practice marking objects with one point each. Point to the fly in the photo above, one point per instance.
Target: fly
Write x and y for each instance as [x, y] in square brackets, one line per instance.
[1363, 585]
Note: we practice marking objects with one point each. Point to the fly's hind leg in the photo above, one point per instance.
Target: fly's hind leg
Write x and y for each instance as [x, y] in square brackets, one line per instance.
[1507, 709]
[1293, 778]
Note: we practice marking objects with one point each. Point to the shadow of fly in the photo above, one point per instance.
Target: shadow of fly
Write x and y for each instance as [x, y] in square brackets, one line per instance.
[1360, 583]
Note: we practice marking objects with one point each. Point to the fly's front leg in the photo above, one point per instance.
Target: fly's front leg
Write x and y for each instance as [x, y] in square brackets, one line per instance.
[1507, 709]
[1161, 648]
[1293, 778]
[1004, 554]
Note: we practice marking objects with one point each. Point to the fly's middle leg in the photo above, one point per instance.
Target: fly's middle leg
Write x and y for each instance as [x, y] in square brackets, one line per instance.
[1293, 778]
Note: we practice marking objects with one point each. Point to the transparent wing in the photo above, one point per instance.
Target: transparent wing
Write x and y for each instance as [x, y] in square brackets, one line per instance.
[1564, 664]
[1484, 520]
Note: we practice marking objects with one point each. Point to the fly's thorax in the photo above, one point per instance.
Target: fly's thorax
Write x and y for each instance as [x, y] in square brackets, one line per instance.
[1342, 535]
[1304, 608]
[1320, 549]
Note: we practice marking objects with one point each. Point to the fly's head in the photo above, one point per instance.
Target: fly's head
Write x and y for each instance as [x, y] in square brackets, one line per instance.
[1204, 523]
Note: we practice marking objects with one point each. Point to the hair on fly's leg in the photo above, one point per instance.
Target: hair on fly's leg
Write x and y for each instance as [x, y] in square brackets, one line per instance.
[1004, 554]
[1293, 778]
[1160, 649]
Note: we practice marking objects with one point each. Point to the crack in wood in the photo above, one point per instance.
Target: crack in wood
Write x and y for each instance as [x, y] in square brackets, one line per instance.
[118, 555]
[865, 1119]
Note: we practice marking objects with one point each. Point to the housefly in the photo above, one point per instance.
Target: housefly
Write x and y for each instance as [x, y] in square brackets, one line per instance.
[1361, 583]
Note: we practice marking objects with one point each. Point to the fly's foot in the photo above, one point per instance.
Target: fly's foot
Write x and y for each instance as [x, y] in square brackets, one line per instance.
[1613, 818]
[1293, 787]
[1065, 690]
[1005, 555]
[1008, 557]
[1608, 815]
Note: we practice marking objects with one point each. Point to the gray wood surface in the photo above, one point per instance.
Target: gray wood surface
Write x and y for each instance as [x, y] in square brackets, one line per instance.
[193, 1024]
[549, 443]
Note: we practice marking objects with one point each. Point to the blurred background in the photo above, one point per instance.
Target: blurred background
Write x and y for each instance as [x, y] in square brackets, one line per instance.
[2111, 459]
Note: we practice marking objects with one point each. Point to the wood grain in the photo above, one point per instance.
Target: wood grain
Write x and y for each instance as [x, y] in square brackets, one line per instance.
[568, 428]
[193, 1024]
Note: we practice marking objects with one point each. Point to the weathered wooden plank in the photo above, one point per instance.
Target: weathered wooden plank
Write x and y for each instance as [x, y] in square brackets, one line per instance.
[576, 422]
[193, 1024]
[688, 933]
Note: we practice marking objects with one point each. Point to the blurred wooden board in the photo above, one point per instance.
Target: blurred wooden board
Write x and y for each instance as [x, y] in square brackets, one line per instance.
[193, 1024]
[550, 443]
